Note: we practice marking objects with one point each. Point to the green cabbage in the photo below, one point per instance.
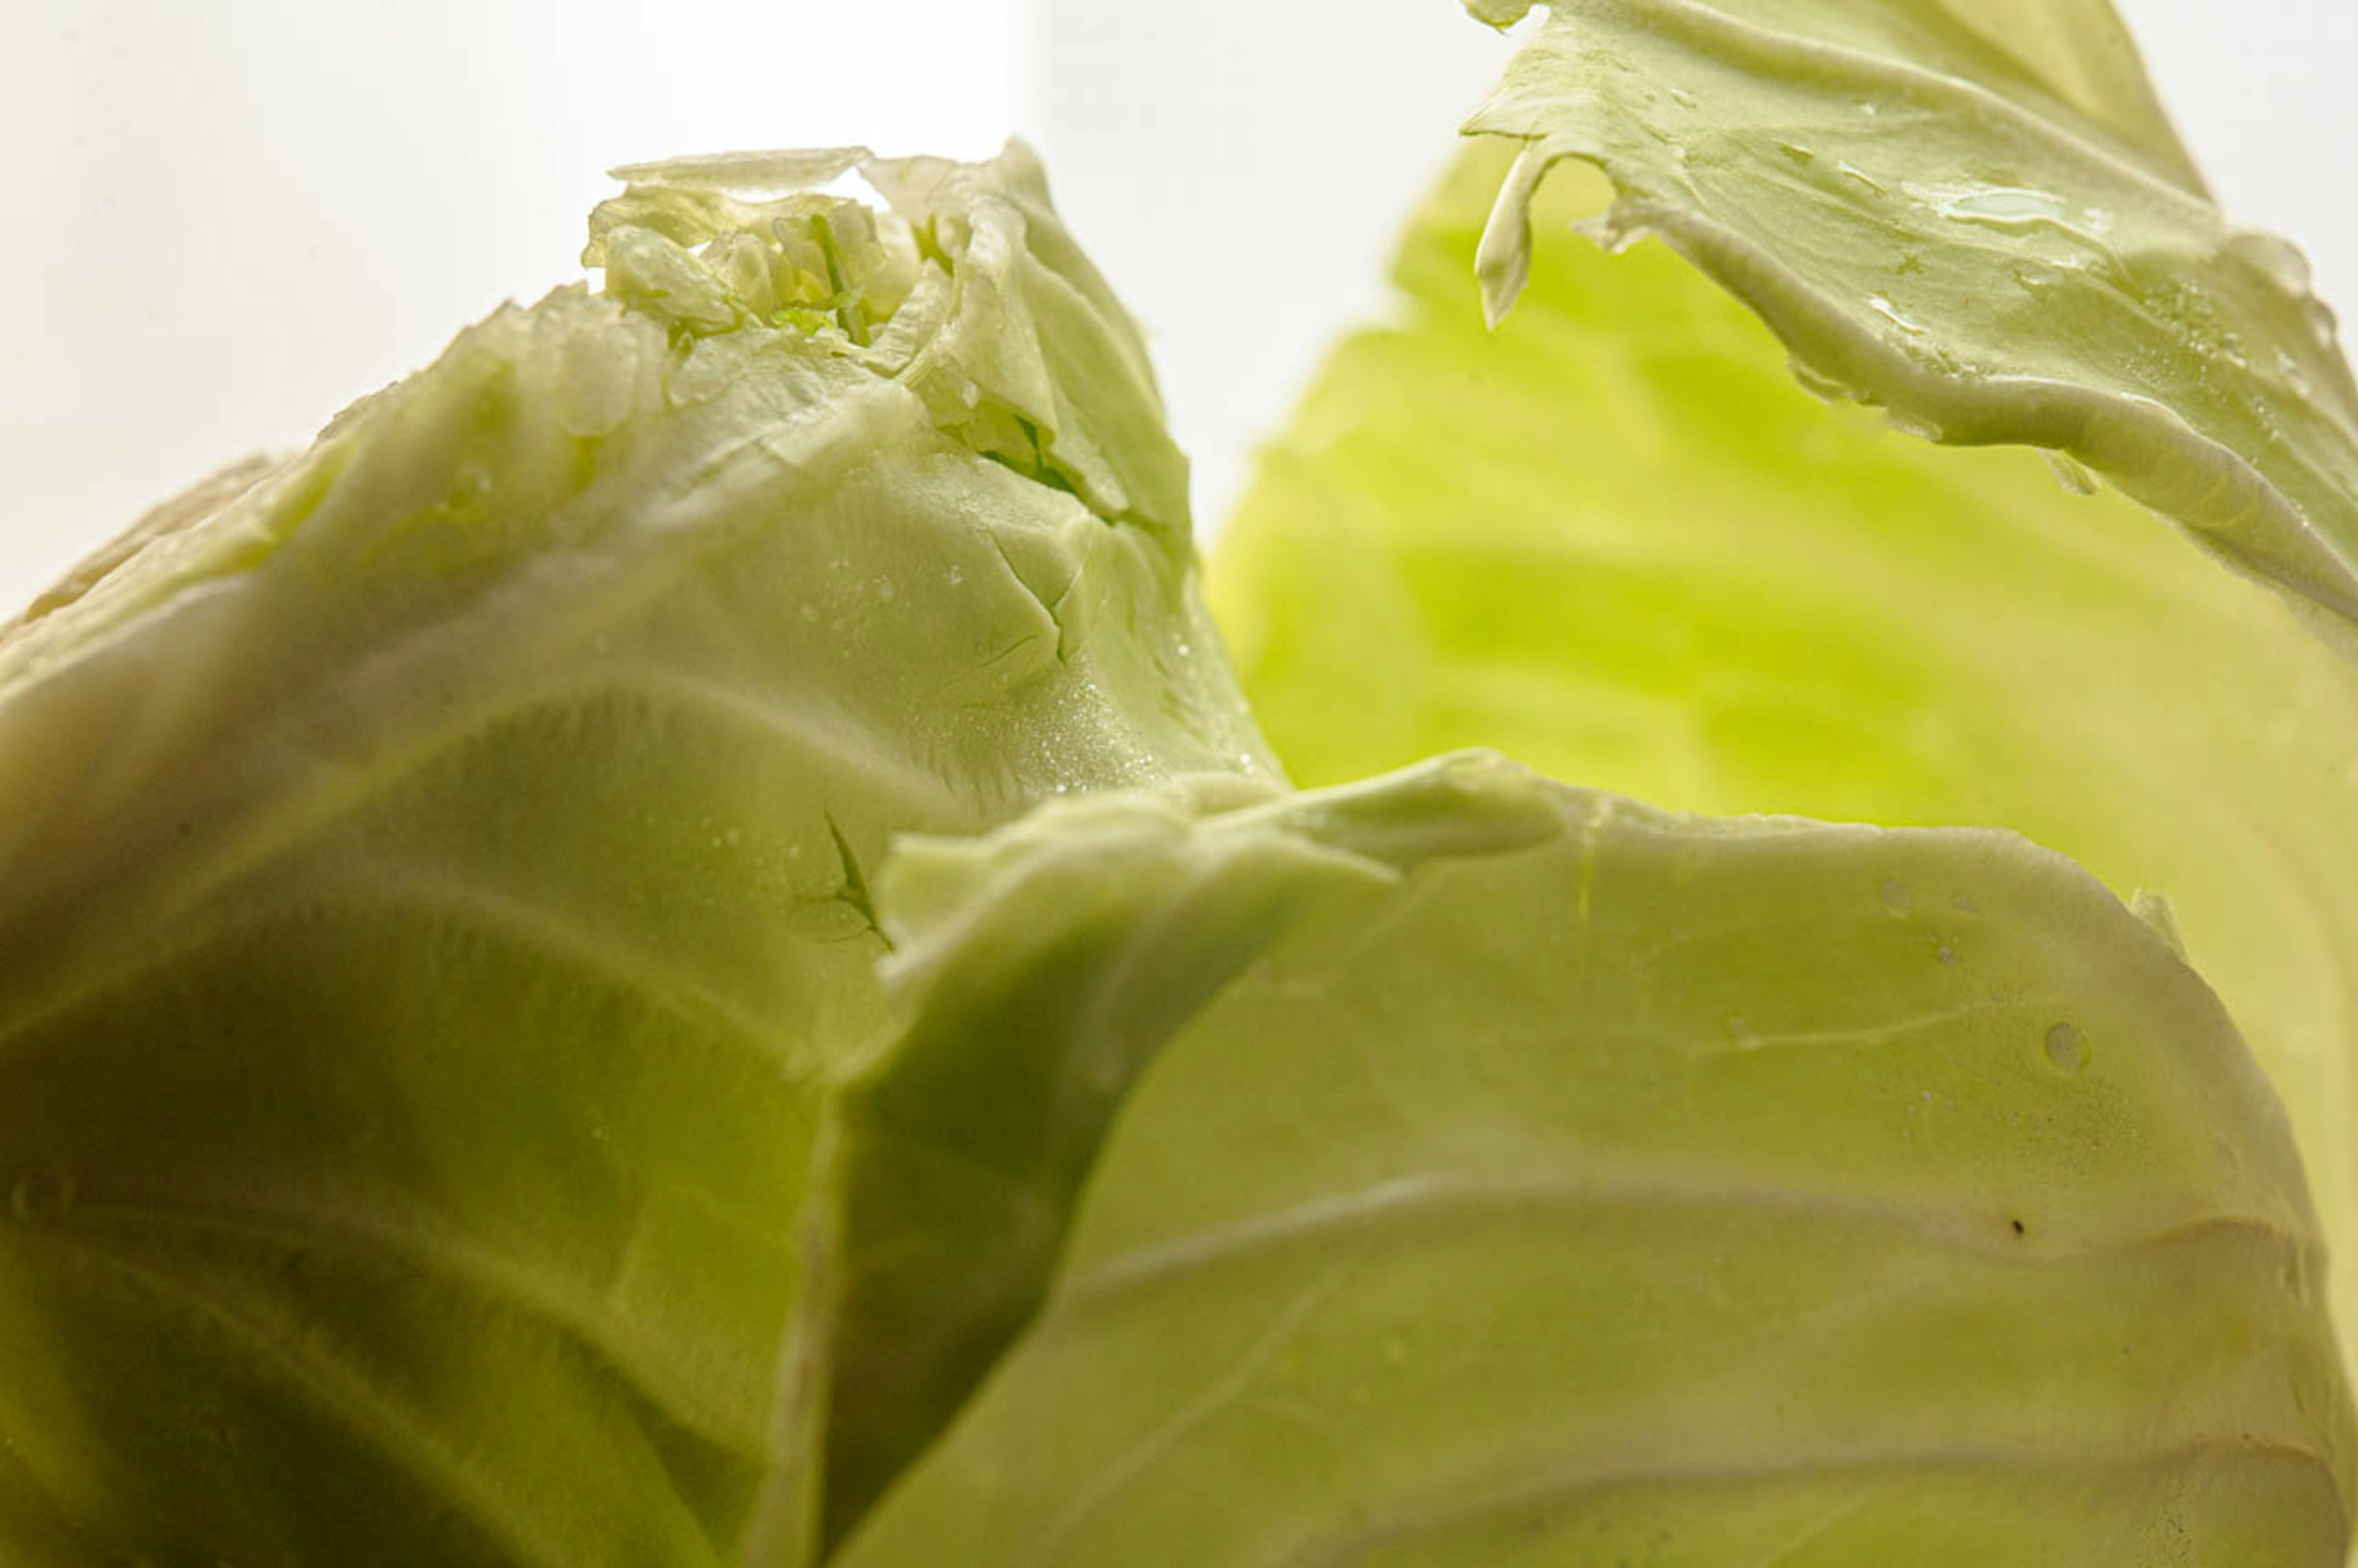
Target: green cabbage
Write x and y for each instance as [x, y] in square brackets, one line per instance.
[1522, 1175]
[1973, 214]
[434, 875]
[1616, 541]
[553, 1012]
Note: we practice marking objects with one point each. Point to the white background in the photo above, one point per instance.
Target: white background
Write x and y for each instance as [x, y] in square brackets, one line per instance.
[225, 221]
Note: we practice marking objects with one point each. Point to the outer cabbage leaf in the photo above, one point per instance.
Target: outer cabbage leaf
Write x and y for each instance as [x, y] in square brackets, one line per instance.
[433, 874]
[1614, 538]
[960, 1150]
[1545, 1179]
[1939, 217]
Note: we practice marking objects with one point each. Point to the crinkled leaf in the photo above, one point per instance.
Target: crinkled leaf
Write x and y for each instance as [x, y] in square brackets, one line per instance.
[1595, 1184]
[1018, 346]
[434, 882]
[1984, 227]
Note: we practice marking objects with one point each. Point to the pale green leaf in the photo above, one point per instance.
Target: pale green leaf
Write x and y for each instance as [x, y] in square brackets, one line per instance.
[1591, 1184]
[434, 880]
[1614, 538]
[1984, 227]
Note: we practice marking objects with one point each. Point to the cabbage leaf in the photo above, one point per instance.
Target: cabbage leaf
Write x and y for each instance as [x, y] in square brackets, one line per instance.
[435, 873]
[1971, 215]
[487, 1078]
[1537, 1177]
[1613, 539]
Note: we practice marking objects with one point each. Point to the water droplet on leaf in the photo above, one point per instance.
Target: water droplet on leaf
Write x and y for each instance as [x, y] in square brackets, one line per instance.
[1893, 314]
[2066, 1049]
[2069, 473]
[1852, 171]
